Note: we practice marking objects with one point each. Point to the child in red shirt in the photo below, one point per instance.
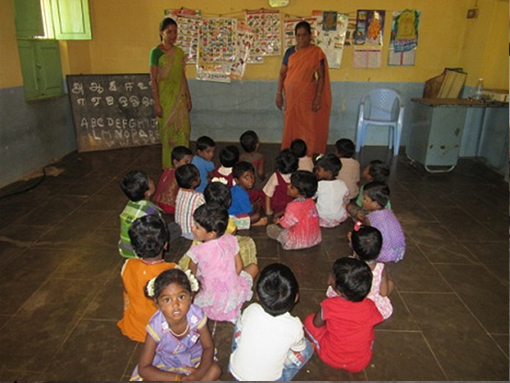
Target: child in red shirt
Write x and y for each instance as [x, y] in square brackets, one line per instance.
[343, 328]
[166, 193]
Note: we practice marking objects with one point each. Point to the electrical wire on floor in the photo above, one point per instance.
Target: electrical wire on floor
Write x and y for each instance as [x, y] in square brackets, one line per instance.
[31, 187]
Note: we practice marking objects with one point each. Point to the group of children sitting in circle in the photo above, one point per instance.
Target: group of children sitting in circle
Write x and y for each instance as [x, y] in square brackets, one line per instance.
[166, 305]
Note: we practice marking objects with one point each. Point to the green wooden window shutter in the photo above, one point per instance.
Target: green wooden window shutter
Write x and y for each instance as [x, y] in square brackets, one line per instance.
[41, 68]
[28, 18]
[71, 19]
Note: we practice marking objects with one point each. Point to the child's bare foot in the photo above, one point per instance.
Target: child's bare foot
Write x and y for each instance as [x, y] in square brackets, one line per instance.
[261, 222]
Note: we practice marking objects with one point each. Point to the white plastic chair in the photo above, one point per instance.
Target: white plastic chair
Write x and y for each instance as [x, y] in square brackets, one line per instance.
[381, 107]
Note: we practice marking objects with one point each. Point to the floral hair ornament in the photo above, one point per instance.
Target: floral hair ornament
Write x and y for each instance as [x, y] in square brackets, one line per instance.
[220, 180]
[150, 287]
[357, 225]
[192, 281]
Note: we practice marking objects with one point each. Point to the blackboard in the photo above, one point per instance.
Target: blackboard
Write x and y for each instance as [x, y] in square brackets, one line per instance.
[112, 111]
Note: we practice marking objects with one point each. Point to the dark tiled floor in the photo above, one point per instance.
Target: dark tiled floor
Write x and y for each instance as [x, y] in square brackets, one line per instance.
[61, 293]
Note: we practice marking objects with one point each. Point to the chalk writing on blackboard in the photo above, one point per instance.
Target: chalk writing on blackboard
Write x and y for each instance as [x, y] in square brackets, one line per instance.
[112, 111]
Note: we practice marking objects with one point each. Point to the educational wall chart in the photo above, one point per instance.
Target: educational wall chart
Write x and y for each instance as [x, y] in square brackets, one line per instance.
[404, 37]
[330, 35]
[244, 41]
[266, 26]
[368, 39]
[188, 23]
[216, 49]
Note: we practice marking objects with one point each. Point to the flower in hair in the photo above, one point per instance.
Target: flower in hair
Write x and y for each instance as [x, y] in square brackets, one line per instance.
[192, 281]
[357, 225]
[150, 287]
[222, 180]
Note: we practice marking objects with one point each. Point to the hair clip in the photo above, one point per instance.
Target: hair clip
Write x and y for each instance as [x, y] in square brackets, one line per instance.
[357, 225]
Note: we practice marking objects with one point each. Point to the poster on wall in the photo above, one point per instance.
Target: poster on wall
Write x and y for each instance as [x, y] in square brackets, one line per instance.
[331, 39]
[216, 49]
[266, 26]
[244, 41]
[404, 37]
[188, 24]
[368, 38]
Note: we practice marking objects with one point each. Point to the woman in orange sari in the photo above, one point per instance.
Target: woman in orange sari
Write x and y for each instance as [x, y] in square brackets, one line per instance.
[172, 100]
[304, 78]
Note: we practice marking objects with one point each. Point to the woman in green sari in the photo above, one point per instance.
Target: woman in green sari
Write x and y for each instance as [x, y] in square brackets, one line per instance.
[172, 101]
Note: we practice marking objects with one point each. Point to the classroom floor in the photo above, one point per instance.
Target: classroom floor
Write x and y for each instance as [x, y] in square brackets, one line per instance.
[61, 292]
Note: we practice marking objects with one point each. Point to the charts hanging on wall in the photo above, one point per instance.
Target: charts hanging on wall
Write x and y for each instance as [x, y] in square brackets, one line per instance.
[244, 41]
[188, 23]
[330, 35]
[368, 38]
[216, 49]
[266, 26]
[404, 37]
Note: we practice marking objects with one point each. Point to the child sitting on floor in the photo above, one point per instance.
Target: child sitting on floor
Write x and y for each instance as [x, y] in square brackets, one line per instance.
[244, 177]
[188, 199]
[229, 156]
[276, 187]
[178, 345]
[375, 197]
[149, 237]
[343, 328]
[167, 190]
[332, 193]
[203, 160]
[226, 282]
[376, 170]
[366, 241]
[219, 194]
[299, 148]
[250, 143]
[269, 343]
[350, 170]
[139, 188]
[300, 223]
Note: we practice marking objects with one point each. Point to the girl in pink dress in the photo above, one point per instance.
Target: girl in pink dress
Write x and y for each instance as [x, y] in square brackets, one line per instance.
[366, 242]
[299, 226]
[225, 282]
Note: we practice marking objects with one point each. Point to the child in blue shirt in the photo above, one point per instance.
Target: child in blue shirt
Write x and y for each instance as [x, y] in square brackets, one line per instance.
[203, 160]
[244, 176]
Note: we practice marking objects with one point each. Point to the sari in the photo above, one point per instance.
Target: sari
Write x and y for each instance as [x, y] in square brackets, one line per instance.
[300, 87]
[174, 125]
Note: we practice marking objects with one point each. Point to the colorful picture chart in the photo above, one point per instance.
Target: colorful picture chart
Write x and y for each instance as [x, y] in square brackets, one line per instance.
[188, 23]
[289, 26]
[266, 25]
[332, 39]
[368, 39]
[216, 49]
[244, 41]
[404, 37]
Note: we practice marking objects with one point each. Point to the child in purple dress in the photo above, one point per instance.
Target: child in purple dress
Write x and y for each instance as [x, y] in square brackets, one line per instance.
[178, 345]
[226, 282]
[375, 197]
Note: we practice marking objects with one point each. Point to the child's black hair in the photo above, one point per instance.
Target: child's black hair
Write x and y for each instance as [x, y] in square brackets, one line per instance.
[378, 191]
[298, 147]
[305, 182]
[345, 147]
[205, 142]
[229, 156]
[378, 170]
[249, 141]
[277, 289]
[212, 218]
[165, 279]
[179, 152]
[286, 162]
[148, 236]
[367, 243]
[186, 174]
[218, 193]
[330, 163]
[242, 167]
[134, 184]
[353, 278]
